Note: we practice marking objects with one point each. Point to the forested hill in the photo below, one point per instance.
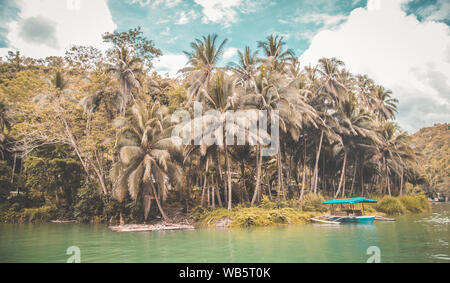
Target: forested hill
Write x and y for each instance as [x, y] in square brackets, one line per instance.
[433, 144]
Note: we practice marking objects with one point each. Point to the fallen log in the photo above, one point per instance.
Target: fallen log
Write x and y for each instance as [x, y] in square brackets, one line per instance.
[151, 228]
[379, 218]
[324, 221]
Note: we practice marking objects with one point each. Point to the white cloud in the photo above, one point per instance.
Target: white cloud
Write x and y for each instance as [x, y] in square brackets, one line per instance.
[217, 11]
[322, 19]
[79, 22]
[168, 3]
[185, 18]
[437, 11]
[229, 53]
[407, 56]
[170, 63]
[226, 12]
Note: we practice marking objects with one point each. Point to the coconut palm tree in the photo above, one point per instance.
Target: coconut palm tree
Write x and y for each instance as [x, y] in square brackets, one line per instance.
[246, 67]
[354, 124]
[331, 80]
[203, 60]
[127, 68]
[384, 106]
[395, 152]
[148, 157]
[273, 48]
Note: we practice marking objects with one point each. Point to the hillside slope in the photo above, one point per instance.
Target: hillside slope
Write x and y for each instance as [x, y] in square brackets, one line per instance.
[433, 143]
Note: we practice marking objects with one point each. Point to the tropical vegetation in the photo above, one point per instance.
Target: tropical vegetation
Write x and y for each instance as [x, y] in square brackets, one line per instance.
[88, 135]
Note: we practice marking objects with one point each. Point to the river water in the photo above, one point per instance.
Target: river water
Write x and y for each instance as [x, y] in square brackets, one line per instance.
[412, 238]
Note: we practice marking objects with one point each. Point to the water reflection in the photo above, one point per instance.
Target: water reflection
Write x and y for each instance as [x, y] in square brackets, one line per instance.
[412, 238]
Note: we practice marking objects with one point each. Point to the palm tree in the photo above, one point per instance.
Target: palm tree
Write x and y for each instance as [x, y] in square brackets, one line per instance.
[331, 80]
[395, 152]
[127, 69]
[273, 48]
[203, 60]
[283, 102]
[354, 124]
[385, 107]
[246, 67]
[148, 157]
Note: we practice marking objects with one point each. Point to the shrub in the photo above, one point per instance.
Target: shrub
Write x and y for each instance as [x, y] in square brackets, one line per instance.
[313, 203]
[390, 206]
[89, 203]
[40, 214]
[415, 203]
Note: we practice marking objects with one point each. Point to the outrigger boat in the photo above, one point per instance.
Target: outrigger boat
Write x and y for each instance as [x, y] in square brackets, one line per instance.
[350, 215]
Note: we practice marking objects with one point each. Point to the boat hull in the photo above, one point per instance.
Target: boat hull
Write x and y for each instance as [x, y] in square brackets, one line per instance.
[352, 219]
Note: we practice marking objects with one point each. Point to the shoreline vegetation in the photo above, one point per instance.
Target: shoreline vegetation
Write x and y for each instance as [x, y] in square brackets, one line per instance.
[88, 137]
[267, 214]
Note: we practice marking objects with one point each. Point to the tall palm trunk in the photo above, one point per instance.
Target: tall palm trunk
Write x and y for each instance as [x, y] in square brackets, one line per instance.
[227, 161]
[161, 210]
[342, 180]
[316, 167]
[258, 174]
[401, 183]
[219, 165]
[304, 175]
[280, 175]
[354, 176]
[205, 182]
[362, 181]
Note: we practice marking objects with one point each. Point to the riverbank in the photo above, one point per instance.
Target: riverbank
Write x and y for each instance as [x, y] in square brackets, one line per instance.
[268, 213]
[291, 212]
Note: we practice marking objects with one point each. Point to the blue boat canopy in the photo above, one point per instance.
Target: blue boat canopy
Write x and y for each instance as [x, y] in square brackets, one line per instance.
[350, 200]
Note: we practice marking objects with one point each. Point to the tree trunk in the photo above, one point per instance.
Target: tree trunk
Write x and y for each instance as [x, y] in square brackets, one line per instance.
[316, 167]
[388, 183]
[227, 160]
[362, 181]
[304, 174]
[147, 206]
[401, 184]
[205, 182]
[258, 174]
[280, 175]
[14, 168]
[342, 180]
[213, 198]
[219, 165]
[354, 176]
[219, 198]
[161, 210]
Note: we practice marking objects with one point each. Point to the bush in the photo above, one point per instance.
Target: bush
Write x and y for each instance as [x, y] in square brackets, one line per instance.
[390, 206]
[89, 204]
[40, 214]
[314, 203]
[415, 203]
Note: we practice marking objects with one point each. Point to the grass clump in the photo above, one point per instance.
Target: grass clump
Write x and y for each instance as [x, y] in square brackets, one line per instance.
[31, 215]
[415, 203]
[251, 217]
[312, 202]
[390, 206]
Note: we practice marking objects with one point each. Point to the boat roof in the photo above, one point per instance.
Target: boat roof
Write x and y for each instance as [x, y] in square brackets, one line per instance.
[350, 200]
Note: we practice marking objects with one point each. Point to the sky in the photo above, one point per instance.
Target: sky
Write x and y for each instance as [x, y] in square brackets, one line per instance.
[403, 45]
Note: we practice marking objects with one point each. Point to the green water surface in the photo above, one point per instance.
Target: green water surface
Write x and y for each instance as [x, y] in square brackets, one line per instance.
[412, 238]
